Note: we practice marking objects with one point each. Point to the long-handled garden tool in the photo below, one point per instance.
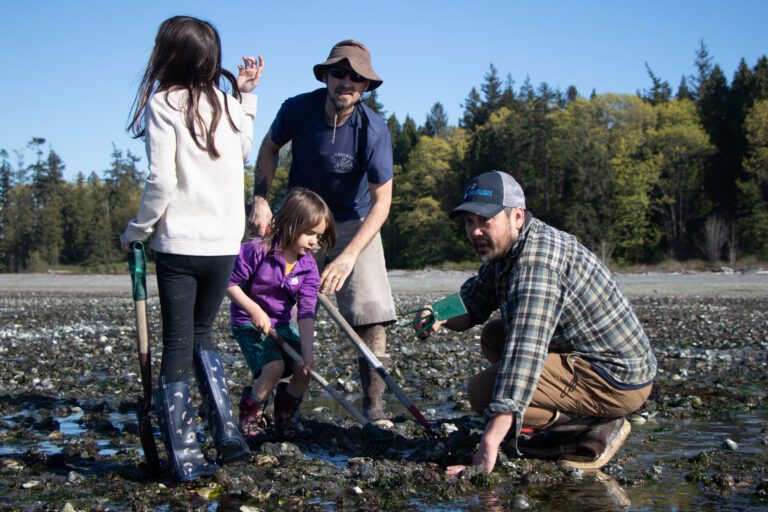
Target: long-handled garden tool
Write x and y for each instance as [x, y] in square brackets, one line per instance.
[137, 265]
[374, 362]
[373, 432]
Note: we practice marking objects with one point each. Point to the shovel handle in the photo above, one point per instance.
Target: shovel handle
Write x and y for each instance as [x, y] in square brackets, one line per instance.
[137, 266]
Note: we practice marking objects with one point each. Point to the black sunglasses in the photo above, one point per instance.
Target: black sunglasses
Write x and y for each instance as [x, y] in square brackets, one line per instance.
[341, 74]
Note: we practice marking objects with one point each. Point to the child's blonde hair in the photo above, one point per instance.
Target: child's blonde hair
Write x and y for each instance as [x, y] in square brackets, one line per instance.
[301, 211]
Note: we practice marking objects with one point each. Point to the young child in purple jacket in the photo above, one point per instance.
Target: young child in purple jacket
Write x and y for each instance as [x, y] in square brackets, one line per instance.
[270, 276]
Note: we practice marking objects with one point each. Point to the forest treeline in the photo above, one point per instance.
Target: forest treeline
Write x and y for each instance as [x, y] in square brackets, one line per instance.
[639, 177]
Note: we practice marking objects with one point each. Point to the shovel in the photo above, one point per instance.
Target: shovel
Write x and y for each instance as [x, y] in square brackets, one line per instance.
[373, 432]
[137, 265]
[374, 362]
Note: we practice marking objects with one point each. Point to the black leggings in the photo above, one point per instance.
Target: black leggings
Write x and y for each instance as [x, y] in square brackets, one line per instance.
[191, 289]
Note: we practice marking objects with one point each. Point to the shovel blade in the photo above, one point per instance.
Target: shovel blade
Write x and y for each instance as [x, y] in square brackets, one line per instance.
[147, 438]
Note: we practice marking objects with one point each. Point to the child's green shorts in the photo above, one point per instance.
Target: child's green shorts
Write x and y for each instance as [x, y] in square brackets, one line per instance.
[260, 349]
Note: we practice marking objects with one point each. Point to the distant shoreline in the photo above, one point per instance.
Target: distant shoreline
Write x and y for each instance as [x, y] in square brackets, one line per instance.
[707, 284]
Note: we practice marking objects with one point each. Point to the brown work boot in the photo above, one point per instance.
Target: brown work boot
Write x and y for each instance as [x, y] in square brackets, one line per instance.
[547, 444]
[556, 438]
[597, 445]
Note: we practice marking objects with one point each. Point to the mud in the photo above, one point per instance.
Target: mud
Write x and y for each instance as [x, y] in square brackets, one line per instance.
[69, 385]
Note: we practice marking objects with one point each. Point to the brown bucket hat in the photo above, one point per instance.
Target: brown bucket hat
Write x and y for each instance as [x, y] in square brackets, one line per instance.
[358, 58]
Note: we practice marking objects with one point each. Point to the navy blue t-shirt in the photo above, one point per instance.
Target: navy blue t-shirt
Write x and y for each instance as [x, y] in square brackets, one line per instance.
[332, 170]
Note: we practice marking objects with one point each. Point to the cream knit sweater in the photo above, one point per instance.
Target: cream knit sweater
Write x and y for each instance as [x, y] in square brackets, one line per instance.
[193, 203]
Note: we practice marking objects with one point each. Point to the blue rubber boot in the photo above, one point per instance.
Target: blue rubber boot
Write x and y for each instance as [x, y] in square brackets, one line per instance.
[176, 419]
[229, 442]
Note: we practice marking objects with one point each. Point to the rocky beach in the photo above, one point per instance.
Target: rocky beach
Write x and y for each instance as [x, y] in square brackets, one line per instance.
[69, 386]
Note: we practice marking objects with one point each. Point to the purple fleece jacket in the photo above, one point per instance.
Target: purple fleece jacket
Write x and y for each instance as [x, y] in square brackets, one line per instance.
[270, 288]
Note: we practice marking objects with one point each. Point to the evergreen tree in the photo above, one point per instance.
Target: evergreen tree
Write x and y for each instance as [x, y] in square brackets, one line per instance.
[472, 111]
[50, 204]
[373, 103]
[527, 91]
[399, 152]
[571, 94]
[437, 122]
[405, 141]
[19, 214]
[508, 98]
[760, 79]
[660, 91]
[124, 184]
[683, 92]
[703, 64]
[78, 218]
[493, 91]
[721, 171]
[753, 187]
[6, 177]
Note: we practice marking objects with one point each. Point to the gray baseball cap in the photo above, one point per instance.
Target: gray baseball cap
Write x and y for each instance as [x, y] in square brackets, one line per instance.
[489, 193]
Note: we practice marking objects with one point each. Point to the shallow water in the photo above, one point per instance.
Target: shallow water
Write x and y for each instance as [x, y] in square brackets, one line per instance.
[654, 446]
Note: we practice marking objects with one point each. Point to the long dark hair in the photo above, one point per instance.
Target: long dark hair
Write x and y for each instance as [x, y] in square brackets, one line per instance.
[301, 210]
[187, 54]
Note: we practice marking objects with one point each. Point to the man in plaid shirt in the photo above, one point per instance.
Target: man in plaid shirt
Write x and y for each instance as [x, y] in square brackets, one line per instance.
[568, 356]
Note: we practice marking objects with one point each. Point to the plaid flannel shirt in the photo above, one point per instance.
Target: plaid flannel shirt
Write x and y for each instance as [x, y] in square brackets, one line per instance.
[555, 295]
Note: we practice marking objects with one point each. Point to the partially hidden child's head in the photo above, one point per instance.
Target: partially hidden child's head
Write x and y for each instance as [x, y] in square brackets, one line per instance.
[187, 52]
[186, 55]
[300, 212]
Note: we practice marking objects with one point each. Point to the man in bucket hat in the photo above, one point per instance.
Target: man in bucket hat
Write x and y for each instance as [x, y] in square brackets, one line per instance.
[342, 150]
[568, 358]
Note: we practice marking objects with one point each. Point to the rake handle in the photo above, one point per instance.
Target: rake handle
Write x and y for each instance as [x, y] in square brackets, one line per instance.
[319, 378]
[373, 360]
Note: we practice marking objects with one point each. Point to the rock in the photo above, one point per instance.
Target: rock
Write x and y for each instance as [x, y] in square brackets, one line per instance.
[267, 460]
[281, 450]
[730, 444]
[520, 502]
[209, 493]
[12, 464]
[73, 477]
[448, 428]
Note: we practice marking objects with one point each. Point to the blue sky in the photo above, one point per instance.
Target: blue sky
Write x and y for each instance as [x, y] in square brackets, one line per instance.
[71, 68]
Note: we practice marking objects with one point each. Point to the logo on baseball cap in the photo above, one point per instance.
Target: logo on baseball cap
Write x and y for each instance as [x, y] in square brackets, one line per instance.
[489, 193]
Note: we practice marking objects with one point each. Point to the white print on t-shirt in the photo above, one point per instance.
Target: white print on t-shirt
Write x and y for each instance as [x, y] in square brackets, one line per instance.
[343, 163]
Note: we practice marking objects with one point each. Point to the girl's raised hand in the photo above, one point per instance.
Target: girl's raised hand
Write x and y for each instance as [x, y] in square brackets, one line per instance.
[249, 73]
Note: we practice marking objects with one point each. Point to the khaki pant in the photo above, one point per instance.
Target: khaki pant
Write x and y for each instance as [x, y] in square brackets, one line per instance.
[366, 297]
[568, 383]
